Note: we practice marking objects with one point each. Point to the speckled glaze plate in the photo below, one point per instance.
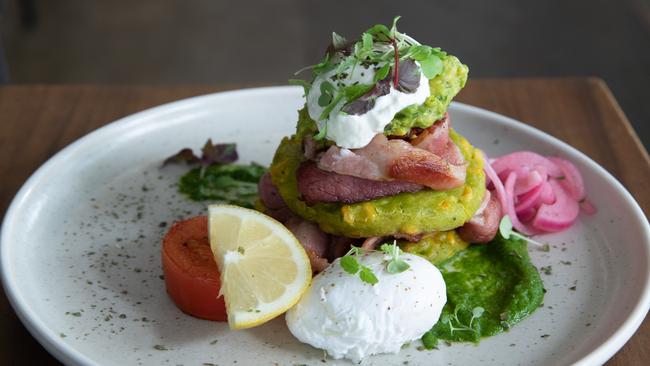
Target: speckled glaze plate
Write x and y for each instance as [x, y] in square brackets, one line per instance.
[81, 242]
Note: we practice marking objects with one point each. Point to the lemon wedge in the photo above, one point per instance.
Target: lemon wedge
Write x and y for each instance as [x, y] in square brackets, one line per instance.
[264, 269]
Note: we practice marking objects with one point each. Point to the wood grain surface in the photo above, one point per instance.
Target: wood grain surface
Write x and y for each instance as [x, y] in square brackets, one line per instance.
[38, 121]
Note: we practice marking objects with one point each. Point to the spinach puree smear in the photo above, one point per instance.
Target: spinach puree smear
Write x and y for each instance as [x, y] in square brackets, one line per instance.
[490, 288]
[231, 183]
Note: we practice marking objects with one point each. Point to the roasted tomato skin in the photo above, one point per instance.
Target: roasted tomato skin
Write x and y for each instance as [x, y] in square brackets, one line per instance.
[191, 275]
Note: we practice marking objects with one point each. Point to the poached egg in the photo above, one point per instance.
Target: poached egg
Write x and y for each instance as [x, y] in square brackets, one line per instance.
[353, 319]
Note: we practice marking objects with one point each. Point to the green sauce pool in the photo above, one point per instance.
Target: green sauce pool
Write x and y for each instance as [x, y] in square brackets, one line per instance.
[490, 288]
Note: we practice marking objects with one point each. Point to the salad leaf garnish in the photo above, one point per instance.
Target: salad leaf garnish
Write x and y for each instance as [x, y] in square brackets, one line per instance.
[218, 154]
[216, 178]
[210, 154]
[231, 183]
[186, 155]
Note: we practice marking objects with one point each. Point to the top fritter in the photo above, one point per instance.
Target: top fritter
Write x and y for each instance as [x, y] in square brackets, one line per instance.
[386, 82]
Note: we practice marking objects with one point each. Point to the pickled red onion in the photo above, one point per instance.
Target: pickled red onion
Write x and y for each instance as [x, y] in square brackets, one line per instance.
[561, 214]
[519, 159]
[510, 206]
[496, 182]
[539, 194]
[572, 180]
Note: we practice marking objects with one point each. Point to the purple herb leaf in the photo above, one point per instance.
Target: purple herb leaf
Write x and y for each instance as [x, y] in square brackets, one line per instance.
[211, 154]
[185, 155]
[359, 106]
[367, 101]
[409, 76]
[218, 154]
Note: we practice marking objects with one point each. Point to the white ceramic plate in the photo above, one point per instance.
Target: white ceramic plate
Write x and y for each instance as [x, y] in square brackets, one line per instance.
[81, 241]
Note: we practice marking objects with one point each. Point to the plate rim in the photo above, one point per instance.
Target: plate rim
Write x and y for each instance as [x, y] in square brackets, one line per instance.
[69, 355]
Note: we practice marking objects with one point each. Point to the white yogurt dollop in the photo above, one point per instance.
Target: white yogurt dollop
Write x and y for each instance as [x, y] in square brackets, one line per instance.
[356, 131]
[352, 319]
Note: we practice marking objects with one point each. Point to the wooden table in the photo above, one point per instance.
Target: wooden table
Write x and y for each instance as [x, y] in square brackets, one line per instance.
[38, 121]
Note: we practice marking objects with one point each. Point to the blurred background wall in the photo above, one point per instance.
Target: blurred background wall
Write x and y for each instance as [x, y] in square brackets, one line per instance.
[264, 42]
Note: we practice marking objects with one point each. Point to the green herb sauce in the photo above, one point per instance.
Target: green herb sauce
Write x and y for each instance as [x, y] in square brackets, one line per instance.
[490, 288]
[232, 183]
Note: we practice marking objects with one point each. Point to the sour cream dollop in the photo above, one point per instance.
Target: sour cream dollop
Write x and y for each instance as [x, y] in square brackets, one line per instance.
[356, 131]
[352, 319]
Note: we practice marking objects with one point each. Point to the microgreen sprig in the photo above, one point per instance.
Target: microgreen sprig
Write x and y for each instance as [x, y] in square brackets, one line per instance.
[505, 229]
[477, 312]
[395, 264]
[351, 265]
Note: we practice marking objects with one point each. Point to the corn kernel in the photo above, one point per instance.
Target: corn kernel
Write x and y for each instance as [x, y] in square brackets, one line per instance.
[369, 210]
[348, 216]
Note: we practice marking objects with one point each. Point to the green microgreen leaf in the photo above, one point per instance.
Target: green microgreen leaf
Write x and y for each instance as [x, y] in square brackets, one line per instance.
[353, 92]
[477, 312]
[323, 66]
[327, 91]
[338, 41]
[321, 134]
[386, 248]
[505, 227]
[367, 43]
[299, 82]
[393, 28]
[379, 33]
[395, 264]
[431, 66]
[345, 64]
[418, 52]
[354, 251]
[349, 264]
[367, 276]
[381, 73]
[319, 67]
[327, 110]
